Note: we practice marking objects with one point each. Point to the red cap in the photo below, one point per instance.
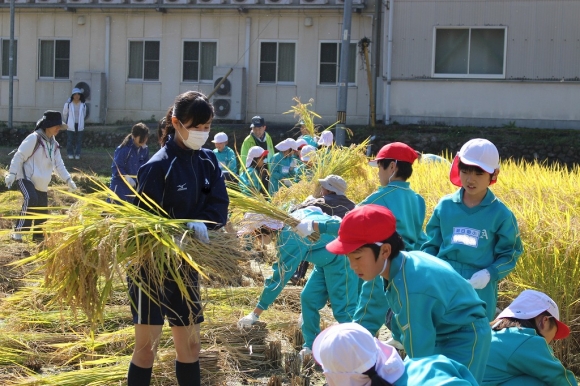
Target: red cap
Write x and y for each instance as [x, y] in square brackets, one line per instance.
[398, 151]
[365, 224]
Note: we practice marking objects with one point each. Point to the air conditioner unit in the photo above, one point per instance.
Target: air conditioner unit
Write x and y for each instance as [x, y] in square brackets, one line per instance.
[244, 1]
[143, 1]
[79, 1]
[210, 1]
[275, 2]
[229, 101]
[94, 85]
[313, 2]
[176, 1]
[111, 1]
[47, 1]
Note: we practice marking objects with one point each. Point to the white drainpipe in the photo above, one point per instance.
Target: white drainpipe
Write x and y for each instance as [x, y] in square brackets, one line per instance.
[387, 59]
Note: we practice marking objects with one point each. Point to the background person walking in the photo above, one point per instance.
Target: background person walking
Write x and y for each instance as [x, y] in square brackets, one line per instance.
[75, 112]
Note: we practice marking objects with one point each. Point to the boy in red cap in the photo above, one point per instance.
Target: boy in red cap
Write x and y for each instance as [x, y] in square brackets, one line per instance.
[472, 229]
[520, 353]
[436, 311]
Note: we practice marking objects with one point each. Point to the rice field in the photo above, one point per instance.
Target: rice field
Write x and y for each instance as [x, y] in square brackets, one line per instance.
[45, 341]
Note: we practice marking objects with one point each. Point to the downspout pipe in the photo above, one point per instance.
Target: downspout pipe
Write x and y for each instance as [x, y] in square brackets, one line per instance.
[247, 62]
[388, 61]
[107, 63]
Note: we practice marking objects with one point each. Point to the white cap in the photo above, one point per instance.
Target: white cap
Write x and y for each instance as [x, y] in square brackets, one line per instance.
[476, 152]
[347, 350]
[287, 144]
[334, 183]
[77, 90]
[300, 142]
[253, 221]
[530, 304]
[307, 152]
[255, 152]
[220, 138]
[326, 138]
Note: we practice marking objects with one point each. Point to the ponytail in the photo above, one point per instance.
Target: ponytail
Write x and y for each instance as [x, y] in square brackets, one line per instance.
[376, 380]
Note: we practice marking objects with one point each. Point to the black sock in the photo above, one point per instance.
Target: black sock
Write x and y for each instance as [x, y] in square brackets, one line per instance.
[188, 374]
[138, 376]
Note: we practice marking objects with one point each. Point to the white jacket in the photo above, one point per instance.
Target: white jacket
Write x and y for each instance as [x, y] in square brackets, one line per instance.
[37, 166]
[68, 112]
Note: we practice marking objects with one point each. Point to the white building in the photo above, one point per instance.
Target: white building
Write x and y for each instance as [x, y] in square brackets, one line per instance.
[453, 61]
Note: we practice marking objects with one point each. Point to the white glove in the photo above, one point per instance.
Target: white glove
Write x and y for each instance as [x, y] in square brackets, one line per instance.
[131, 181]
[200, 231]
[304, 228]
[9, 179]
[71, 185]
[480, 279]
[248, 320]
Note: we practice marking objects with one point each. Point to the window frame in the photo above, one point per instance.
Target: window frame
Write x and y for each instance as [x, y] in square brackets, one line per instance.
[469, 76]
[142, 79]
[8, 60]
[55, 60]
[339, 47]
[276, 81]
[199, 72]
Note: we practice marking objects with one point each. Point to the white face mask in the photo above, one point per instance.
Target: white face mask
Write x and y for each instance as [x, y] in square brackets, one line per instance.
[195, 139]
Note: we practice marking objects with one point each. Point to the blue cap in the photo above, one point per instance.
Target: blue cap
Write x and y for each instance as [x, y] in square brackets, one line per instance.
[257, 121]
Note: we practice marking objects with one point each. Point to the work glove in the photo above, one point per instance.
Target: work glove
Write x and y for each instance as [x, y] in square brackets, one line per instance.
[71, 185]
[131, 181]
[200, 231]
[248, 320]
[9, 179]
[305, 228]
[480, 279]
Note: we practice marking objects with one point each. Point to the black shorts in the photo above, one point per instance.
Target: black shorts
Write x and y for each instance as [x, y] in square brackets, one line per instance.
[169, 302]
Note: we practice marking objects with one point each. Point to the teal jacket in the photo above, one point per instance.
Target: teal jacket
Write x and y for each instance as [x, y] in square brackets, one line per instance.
[435, 370]
[227, 159]
[279, 169]
[408, 208]
[518, 354]
[471, 239]
[429, 300]
[310, 140]
[250, 181]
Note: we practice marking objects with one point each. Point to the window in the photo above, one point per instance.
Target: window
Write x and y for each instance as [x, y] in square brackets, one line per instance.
[54, 59]
[469, 52]
[198, 60]
[330, 63]
[277, 62]
[144, 60]
[6, 57]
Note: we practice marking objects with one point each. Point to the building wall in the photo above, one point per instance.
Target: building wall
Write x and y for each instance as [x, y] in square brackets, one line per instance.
[137, 100]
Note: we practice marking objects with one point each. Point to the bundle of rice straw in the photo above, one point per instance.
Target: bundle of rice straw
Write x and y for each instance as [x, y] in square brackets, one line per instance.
[258, 204]
[349, 163]
[303, 112]
[97, 244]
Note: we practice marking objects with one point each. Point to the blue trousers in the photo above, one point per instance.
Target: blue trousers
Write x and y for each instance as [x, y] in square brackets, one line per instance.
[74, 141]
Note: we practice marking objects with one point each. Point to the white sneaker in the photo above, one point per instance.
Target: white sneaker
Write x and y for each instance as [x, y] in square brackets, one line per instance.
[16, 237]
[77, 157]
[70, 157]
[248, 320]
[305, 353]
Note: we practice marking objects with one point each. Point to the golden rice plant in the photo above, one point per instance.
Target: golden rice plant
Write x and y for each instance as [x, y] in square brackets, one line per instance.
[97, 244]
[302, 112]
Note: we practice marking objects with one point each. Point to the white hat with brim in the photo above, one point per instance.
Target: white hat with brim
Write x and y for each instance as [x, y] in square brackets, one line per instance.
[530, 304]
[347, 350]
[307, 152]
[326, 138]
[334, 183]
[477, 152]
[287, 144]
[253, 153]
[220, 138]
